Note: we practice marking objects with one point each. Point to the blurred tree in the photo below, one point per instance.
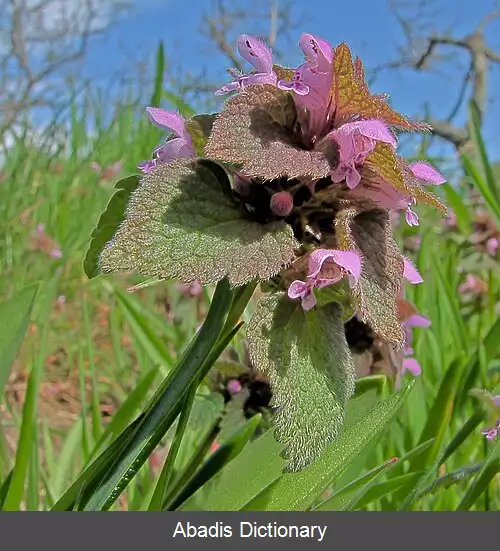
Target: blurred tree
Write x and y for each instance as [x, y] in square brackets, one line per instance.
[41, 40]
[428, 49]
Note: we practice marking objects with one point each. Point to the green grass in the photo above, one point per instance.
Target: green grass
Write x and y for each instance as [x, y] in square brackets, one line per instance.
[89, 365]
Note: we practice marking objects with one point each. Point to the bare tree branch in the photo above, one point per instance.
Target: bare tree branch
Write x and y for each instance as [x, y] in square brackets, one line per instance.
[39, 40]
[426, 50]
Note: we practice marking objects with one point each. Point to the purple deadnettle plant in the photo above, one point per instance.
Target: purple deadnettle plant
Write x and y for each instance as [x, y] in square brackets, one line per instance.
[291, 186]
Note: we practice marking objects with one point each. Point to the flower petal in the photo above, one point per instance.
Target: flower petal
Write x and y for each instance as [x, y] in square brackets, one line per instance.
[227, 88]
[411, 273]
[349, 260]
[167, 120]
[416, 320]
[255, 52]
[411, 365]
[427, 173]
[297, 289]
[258, 78]
[147, 166]
[318, 52]
[374, 129]
[176, 148]
[309, 301]
[411, 217]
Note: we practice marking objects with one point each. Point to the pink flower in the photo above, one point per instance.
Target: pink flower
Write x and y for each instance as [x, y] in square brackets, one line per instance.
[260, 56]
[312, 83]
[409, 363]
[384, 194]
[356, 140]
[492, 432]
[193, 289]
[56, 253]
[472, 284]
[492, 246]
[233, 386]
[416, 320]
[412, 365]
[175, 148]
[326, 266]
[388, 197]
[427, 174]
[108, 172]
[410, 272]
[451, 220]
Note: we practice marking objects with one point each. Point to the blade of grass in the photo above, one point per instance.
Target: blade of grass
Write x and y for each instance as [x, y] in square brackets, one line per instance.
[342, 498]
[4, 488]
[14, 318]
[475, 127]
[165, 406]
[479, 485]
[489, 345]
[166, 473]
[257, 467]
[28, 430]
[127, 411]
[71, 448]
[475, 177]
[222, 456]
[158, 82]
[468, 428]
[94, 399]
[439, 418]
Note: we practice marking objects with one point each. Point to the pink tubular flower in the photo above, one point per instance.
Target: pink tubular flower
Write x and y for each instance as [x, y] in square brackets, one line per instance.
[356, 140]
[409, 363]
[410, 272]
[473, 284]
[388, 197]
[427, 174]
[174, 148]
[312, 82]
[492, 432]
[326, 266]
[260, 56]
[385, 195]
[492, 246]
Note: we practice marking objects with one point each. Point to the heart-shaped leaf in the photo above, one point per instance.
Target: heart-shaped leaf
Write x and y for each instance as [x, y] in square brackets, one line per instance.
[308, 363]
[182, 222]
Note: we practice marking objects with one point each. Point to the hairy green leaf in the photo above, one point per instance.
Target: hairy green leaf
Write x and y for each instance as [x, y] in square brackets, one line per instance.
[182, 223]
[308, 363]
[199, 128]
[254, 130]
[110, 219]
[369, 233]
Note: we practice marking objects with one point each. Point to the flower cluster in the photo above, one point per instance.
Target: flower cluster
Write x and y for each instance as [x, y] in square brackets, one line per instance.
[293, 185]
[312, 147]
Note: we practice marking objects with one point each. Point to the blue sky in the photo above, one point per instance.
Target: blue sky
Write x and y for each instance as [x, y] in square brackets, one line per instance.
[368, 26]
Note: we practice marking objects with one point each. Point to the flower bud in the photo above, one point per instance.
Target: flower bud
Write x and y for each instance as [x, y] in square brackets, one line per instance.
[282, 203]
[233, 386]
